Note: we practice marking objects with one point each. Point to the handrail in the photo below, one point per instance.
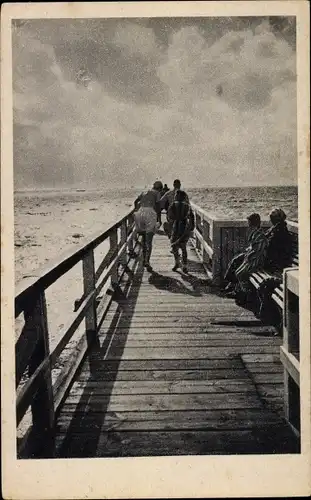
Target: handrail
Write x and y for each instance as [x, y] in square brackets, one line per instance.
[32, 347]
[54, 270]
[227, 221]
[217, 240]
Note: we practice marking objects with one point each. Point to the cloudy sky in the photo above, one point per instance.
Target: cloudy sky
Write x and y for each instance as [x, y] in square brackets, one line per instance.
[124, 101]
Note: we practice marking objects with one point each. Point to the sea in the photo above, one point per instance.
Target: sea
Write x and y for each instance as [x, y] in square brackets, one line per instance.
[49, 221]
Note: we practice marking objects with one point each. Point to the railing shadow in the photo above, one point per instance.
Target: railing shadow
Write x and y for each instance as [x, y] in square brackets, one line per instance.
[85, 428]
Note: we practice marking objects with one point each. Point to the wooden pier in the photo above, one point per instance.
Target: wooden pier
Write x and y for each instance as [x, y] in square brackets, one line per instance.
[167, 365]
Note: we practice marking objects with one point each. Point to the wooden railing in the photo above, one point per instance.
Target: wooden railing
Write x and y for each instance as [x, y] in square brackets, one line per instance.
[218, 240]
[290, 350]
[34, 361]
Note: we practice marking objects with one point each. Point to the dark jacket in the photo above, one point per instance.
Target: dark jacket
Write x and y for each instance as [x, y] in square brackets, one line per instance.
[181, 215]
[280, 247]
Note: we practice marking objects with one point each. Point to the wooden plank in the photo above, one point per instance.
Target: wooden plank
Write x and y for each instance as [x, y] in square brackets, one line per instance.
[264, 368]
[153, 303]
[162, 387]
[150, 402]
[165, 420]
[173, 364]
[167, 304]
[132, 444]
[207, 329]
[270, 390]
[261, 358]
[171, 320]
[176, 312]
[132, 375]
[186, 353]
[266, 378]
[190, 337]
[203, 342]
[166, 300]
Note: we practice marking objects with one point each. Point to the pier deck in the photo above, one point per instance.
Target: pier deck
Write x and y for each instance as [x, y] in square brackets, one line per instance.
[177, 370]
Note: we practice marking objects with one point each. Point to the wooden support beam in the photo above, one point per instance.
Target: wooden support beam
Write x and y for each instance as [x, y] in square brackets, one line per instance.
[216, 260]
[123, 240]
[89, 284]
[42, 405]
[114, 248]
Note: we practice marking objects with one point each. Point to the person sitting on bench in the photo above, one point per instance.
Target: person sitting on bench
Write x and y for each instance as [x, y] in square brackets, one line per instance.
[279, 251]
[252, 259]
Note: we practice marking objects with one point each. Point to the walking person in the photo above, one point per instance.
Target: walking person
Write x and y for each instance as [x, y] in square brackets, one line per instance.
[182, 219]
[167, 200]
[146, 219]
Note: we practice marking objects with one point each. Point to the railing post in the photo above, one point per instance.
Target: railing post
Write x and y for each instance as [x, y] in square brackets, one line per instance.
[130, 222]
[114, 248]
[123, 240]
[197, 224]
[42, 406]
[216, 260]
[89, 284]
[205, 234]
[290, 350]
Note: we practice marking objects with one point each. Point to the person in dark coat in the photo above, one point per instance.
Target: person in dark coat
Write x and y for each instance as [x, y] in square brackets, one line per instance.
[279, 251]
[252, 259]
[165, 202]
[181, 216]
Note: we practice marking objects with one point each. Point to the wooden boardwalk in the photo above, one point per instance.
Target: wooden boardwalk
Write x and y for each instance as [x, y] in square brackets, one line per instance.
[177, 370]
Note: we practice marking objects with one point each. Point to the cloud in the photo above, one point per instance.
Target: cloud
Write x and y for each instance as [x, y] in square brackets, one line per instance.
[116, 103]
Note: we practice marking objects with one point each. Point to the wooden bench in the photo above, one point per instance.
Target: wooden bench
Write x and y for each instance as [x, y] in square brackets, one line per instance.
[257, 278]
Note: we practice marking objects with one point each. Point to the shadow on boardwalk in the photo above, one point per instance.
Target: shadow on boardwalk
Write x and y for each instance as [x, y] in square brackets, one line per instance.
[89, 407]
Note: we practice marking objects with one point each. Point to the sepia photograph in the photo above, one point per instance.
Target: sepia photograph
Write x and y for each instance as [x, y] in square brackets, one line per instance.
[156, 237]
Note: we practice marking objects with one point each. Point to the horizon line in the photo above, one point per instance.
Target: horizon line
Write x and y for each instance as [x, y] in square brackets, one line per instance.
[81, 188]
